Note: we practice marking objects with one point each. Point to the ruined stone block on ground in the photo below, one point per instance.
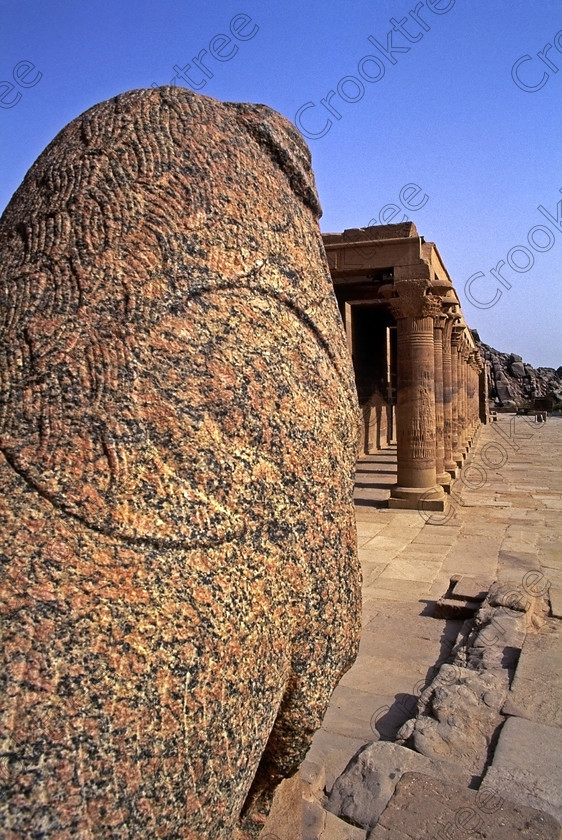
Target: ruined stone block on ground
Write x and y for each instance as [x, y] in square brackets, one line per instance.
[423, 808]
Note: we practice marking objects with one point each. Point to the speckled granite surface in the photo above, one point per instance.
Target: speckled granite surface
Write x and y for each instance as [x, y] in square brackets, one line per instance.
[180, 589]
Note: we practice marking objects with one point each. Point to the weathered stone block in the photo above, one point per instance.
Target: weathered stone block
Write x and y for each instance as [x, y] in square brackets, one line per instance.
[459, 714]
[425, 809]
[496, 641]
[530, 598]
[468, 588]
[178, 429]
[313, 776]
[362, 792]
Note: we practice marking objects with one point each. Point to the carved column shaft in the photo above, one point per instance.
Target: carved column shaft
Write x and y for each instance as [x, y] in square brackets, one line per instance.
[416, 403]
[415, 413]
[456, 399]
[477, 369]
[472, 392]
[464, 434]
[449, 464]
[483, 396]
[438, 329]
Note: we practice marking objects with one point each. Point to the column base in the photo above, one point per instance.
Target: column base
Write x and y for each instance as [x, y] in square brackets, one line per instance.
[458, 458]
[445, 479]
[452, 469]
[417, 498]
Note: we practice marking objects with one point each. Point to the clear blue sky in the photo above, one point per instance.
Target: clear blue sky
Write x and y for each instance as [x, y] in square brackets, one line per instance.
[446, 114]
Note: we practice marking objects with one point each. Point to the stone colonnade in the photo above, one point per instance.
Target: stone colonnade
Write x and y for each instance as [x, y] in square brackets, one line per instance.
[440, 390]
[437, 413]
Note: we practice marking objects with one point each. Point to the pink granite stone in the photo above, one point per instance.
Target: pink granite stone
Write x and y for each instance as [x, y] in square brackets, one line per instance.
[178, 429]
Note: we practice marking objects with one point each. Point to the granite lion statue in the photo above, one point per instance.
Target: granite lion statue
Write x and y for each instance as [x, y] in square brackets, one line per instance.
[178, 430]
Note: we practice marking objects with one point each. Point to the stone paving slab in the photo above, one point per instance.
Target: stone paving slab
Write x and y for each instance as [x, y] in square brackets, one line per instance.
[390, 545]
[438, 535]
[395, 589]
[423, 808]
[527, 765]
[411, 569]
[536, 691]
[371, 568]
[350, 713]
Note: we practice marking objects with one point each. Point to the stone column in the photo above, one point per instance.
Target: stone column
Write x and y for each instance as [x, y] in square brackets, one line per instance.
[457, 454]
[464, 433]
[448, 462]
[479, 366]
[483, 394]
[473, 392]
[469, 398]
[443, 477]
[417, 485]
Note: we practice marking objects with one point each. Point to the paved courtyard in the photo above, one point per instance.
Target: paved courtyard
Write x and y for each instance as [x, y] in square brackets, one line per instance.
[503, 521]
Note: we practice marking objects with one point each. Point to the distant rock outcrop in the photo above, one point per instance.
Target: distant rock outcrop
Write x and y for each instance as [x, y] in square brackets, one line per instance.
[512, 381]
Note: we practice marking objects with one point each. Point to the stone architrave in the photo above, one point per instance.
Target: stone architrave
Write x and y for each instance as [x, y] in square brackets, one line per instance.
[178, 434]
[415, 311]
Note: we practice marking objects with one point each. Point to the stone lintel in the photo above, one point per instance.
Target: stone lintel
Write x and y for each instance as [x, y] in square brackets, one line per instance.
[367, 255]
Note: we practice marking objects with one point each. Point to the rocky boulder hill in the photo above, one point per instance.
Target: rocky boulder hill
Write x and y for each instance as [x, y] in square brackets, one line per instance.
[514, 384]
